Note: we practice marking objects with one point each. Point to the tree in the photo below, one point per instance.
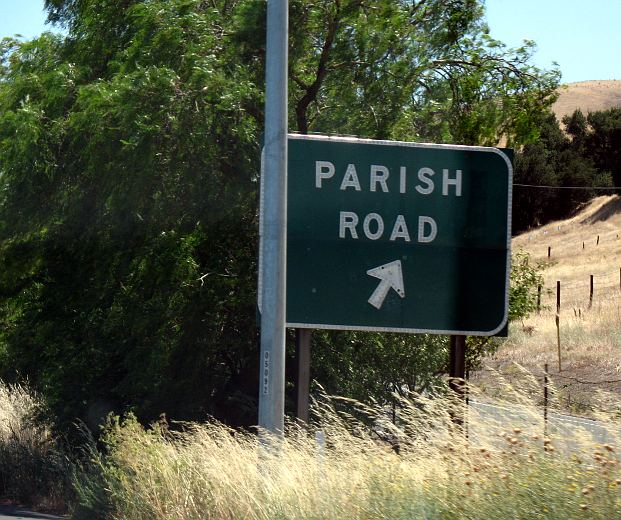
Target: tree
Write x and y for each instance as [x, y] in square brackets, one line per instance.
[558, 169]
[603, 142]
[129, 160]
[533, 167]
[404, 70]
[125, 200]
[577, 127]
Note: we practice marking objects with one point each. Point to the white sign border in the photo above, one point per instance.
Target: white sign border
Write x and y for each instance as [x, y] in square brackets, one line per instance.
[405, 144]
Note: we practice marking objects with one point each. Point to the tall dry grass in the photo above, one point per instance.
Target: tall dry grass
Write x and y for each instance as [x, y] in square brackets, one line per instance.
[423, 467]
[34, 468]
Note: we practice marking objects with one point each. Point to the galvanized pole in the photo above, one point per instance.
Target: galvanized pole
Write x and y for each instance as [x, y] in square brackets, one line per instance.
[272, 371]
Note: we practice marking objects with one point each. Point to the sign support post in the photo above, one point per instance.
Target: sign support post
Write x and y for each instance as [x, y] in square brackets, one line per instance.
[274, 237]
[457, 363]
[302, 382]
[457, 371]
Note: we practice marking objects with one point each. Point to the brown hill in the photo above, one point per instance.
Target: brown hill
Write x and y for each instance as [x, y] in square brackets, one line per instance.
[588, 96]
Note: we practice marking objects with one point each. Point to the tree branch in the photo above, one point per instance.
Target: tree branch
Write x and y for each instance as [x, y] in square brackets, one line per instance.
[312, 90]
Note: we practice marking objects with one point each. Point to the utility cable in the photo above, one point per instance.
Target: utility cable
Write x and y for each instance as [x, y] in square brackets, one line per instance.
[567, 187]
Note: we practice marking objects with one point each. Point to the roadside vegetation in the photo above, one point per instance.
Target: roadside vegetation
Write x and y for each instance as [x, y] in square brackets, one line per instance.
[35, 467]
[354, 461]
[423, 466]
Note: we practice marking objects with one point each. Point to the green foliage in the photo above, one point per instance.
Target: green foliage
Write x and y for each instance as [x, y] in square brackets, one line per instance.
[372, 365]
[587, 155]
[603, 142]
[525, 280]
[129, 165]
[126, 279]
[448, 80]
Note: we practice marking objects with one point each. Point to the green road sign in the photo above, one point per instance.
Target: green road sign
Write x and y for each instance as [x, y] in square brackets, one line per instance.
[395, 236]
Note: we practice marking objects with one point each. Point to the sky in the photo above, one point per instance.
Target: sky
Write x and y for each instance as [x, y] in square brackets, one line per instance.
[582, 36]
[25, 17]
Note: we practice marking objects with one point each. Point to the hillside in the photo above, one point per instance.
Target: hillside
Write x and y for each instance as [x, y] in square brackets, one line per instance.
[589, 243]
[588, 96]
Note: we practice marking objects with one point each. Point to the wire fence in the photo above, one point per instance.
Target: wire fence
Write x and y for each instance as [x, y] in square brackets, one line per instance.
[569, 390]
[558, 391]
[586, 382]
[592, 290]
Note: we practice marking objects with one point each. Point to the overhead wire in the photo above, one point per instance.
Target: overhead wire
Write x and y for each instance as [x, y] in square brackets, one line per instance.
[542, 186]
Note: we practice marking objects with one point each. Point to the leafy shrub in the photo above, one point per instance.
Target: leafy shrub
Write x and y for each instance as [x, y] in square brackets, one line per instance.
[525, 279]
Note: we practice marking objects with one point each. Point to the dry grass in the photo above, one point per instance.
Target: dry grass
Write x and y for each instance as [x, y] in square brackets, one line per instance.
[588, 96]
[211, 472]
[18, 407]
[33, 469]
[590, 336]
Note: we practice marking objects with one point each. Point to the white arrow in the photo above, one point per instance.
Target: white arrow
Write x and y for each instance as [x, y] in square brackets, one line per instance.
[391, 276]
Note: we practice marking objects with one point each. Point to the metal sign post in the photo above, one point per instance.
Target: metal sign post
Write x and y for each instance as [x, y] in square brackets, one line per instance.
[274, 223]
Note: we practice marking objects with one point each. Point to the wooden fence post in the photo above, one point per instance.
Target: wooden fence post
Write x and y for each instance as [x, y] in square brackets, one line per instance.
[558, 323]
[539, 296]
[545, 402]
[549, 251]
[591, 292]
[597, 240]
[457, 363]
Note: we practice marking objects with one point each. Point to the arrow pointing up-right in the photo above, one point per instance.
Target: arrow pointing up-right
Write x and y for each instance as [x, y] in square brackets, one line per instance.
[391, 276]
